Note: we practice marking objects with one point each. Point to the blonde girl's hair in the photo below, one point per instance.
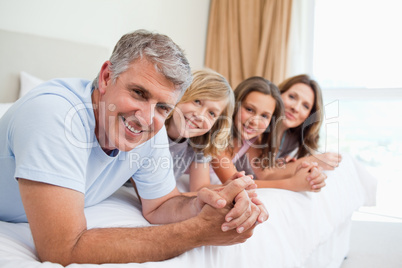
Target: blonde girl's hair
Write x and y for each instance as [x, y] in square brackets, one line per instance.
[308, 133]
[210, 85]
[269, 140]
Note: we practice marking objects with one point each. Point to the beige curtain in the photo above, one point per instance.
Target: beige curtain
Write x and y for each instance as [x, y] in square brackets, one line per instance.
[247, 38]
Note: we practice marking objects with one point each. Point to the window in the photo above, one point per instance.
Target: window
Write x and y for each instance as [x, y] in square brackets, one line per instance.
[357, 43]
[358, 63]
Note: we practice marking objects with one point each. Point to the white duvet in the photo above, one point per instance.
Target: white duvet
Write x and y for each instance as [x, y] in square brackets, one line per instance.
[302, 231]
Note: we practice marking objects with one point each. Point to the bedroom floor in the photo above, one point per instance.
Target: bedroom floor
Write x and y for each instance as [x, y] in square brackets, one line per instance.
[376, 238]
[375, 242]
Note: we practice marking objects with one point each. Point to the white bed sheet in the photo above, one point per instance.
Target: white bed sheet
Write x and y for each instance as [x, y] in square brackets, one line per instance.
[304, 229]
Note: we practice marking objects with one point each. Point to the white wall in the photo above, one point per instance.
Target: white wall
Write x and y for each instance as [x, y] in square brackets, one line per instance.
[103, 22]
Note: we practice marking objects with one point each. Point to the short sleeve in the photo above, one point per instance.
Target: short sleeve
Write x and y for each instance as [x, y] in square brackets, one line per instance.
[154, 177]
[41, 140]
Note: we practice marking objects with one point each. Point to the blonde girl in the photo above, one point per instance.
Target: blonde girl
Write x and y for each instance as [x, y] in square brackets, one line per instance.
[199, 127]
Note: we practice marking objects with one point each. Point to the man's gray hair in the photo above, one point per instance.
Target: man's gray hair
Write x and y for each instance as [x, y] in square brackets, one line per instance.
[167, 57]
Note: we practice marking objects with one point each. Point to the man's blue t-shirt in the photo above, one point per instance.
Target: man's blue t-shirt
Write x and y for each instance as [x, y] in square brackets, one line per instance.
[48, 136]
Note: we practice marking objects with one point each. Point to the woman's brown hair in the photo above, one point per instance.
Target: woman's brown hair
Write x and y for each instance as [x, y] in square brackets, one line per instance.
[308, 133]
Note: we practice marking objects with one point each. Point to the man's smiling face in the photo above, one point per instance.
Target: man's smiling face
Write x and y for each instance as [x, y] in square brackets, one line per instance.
[134, 107]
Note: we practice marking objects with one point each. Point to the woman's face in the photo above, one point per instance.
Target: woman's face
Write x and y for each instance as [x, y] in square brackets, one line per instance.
[195, 118]
[254, 115]
[298, 101]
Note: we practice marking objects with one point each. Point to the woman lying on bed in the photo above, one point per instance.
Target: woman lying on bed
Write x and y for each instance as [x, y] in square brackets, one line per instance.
[256, 123]
[299, 132]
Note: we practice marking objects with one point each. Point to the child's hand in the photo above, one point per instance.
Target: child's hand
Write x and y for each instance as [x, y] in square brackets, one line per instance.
[245, 211]
[250, 190]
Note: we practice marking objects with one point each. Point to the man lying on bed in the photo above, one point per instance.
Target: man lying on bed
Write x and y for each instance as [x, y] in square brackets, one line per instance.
[71, 143]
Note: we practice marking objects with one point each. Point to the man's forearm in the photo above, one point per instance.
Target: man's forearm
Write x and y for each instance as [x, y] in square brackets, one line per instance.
[60, 232]
[155, 243]
[123, 245]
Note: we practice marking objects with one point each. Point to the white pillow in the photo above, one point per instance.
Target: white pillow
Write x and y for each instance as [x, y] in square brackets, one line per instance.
[28, 82]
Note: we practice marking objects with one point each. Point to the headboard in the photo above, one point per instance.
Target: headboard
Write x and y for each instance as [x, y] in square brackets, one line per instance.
[45, 58]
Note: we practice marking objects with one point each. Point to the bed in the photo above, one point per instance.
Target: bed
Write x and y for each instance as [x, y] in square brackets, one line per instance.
[304, 229]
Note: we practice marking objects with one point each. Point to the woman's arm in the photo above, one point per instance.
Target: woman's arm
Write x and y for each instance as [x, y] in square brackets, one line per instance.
[306, 178]
[287, 168]
[328, 161]
[295, 176]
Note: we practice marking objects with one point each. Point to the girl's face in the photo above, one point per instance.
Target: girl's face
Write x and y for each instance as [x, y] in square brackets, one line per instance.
[298, 101]
[254, 115]
[195, 118]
